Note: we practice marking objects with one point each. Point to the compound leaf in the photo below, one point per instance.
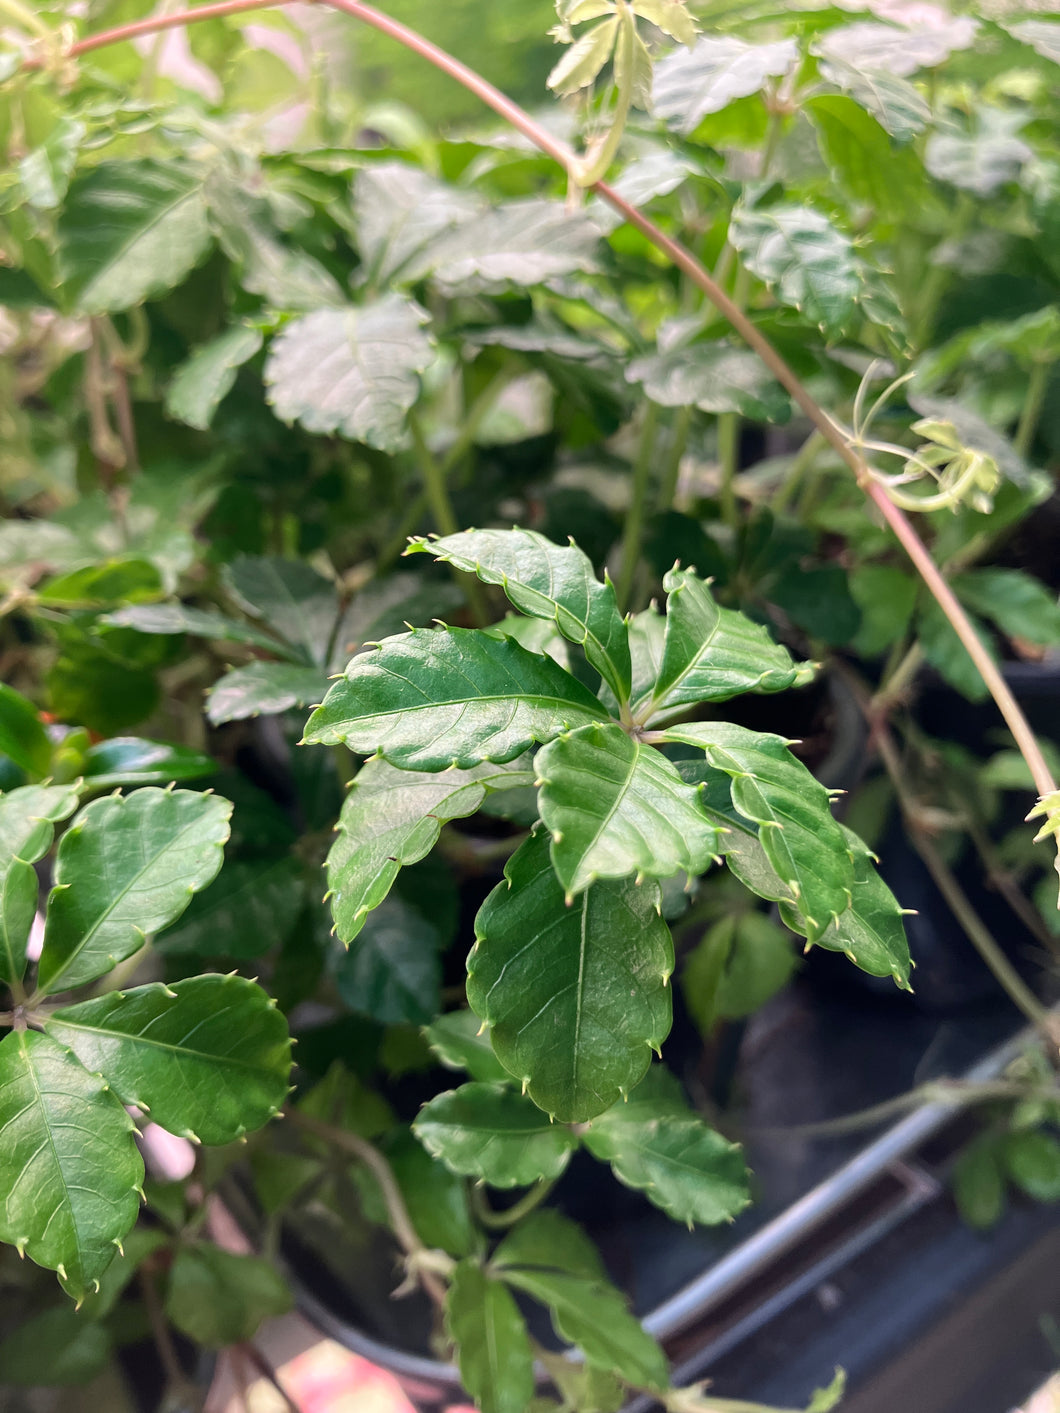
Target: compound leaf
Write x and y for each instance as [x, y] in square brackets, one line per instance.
[492, 1345]
[492, 1132]
[127, 868]
[430, 699]
[577, 996]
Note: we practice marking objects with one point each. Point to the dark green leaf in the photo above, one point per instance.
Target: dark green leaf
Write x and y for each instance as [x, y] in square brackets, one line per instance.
[208, 1058]
[492, 1345]
[691, 84]
[251, 907]
[886, 598]
[715, 377]
[494, 1133]
[69, 1165]
[429, 700]
[947, 654]
[1032, 1160]
[217, 1298]
[130, 760]
[292, 599]
[461, 1042]
[806, 261]
[594, 973]
[392, 971]
[22, 737]
[125, 869]
[57, 1347]
[979, 1184]
[738, 965]
[208, 376]
[817, 599]
[437, 1200]
[1019, 605]
[264, 689]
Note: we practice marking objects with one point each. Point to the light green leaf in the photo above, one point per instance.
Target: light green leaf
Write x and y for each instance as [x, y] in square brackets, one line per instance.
[548, 1239]
[352, 371]
[737, 966]
[739, 841]
[462, 1042]
[70, 1169]
[690, 85]
[492, 1345]
[981, 160]
[27, 819]
[897, 50]
[431, 699]
[584, 59]
[675, 1159]
[263, 689]
[45, 172]
[205, 378]
[616, 807]
[801, 840]
[715, 377]
[126, 868]
[671, 16]
[492, 1132]
[101, 585]
[172, 618]
[520, 243]
[18, 907]
[897, 106]
[805, 260]
[825, 1399]
[251, 907]
[392, 818]
[207, 1058]
[392, 970]
[1020, 606]
[979, 1183]
[218, 1298]
[1042, 35]
[130, 760]
[292, 599]
[711, 654]
[547, 581]
[595, 973]
[22, 737]
[130, 231]
[401, 212]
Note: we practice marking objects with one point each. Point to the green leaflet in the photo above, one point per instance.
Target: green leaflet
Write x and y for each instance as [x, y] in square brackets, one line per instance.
[711, 654]
[218, 1298]
[430, 699]
[548, 1239]
[713, 376]
[494, 1133]
[807, 261]
[461, 1042]
[28, 817]
[492, 1345]
[691, 85]
[391, 818]
[291, 598]
[208, 1058]
[801, 840]
[264, 689]
[616, 807]
[22, 737]
[209, 374]
[18, 907]
[251, 907]
[594, 974]
[547, 581]
[392, 971]
[67, 1202]
[125, 869]
[166, 618]
[739, 963]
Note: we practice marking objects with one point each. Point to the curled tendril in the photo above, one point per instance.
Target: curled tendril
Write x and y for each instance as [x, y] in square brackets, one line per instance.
[962, 475]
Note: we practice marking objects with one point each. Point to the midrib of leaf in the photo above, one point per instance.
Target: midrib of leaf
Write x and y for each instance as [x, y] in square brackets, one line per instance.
[139, 235]
[174, 1048]
[87, 938]
[658, 698]
[580, 990]
[620, 796]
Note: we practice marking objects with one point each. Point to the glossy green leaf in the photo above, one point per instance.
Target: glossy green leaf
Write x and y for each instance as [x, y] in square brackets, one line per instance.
[218, 1298]
[264, 689]
[678, 1162]
[401, 212]
[584, 59]
[101, 585]
[19, 889]
[594, 973]
[524, 242]
[28, 817]
[352, 371]
[71, 1171]
[250, 908]
[551, 582]
[461, 1042]
[616, 807]
[772, 788]
[173, 618]
[130, 760]
[548, 1239]
[1032, 1161]
[979, 1184]
[711, 654]
[207, 1058]
[290, 598]
[494, 1133]
[431, 699]
[392, 818]
[805, 260]
[897, 106]
[715, 377]
[690, 85]
[125, 869]
[205, 378]
[492, 1346]
[735, 968]
[392, 970]
[22, 737]
[130, 231]
[1021, 606]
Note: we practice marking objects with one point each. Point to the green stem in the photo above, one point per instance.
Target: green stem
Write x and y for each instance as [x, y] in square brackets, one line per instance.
[672, 468]
[1033, 406]
[24, 17]
[500, 1221]
[728, 456]
[635, 516]
[444, 516]
[803, 461]
[896, 681]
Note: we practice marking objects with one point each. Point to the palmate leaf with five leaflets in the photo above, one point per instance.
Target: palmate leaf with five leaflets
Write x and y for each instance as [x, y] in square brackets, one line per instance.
[577, 996]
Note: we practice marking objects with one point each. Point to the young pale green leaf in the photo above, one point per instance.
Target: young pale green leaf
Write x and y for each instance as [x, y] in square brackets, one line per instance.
[251, 907]
[715, 377]
[205, 378]
[494, 1133]
[131, 760]
[674, 1158]
[218, 1298]
[264, 689]
[462, 1042]
[616, 807]
[593, 1315]
[208, 1058]
[291, 598]
[806, 261]
[352, 371]
[595, 973]
[130, 231]
[897, 106]
[393, 817]
[127, 868]
[801, 840]
[18, 907]
[671, 16]
[69, 1166]
[870, 931]
[584, 59]
[392, 971]
[172, 618]
[521, 243]
[690, 85]
[28, 817]
[492, 1346]
[22, 737]
[431, 699]
[711, 654]
[737, 966]
[547, 581]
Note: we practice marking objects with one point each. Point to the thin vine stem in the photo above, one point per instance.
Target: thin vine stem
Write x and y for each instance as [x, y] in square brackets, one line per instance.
[500, 1221]
[685, 261]
[634, 526]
